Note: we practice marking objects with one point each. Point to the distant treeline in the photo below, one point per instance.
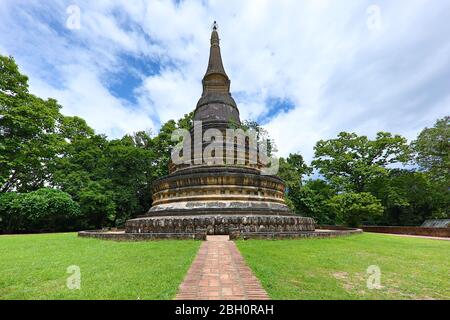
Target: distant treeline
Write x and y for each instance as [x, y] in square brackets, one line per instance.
[57, 174]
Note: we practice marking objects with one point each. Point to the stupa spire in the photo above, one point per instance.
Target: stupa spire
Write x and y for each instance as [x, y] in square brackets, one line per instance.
[215, 65]
[216, 102]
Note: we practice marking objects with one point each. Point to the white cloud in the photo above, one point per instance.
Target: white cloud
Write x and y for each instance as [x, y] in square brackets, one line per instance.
[85, 96]
[319, 54]
[170, 94]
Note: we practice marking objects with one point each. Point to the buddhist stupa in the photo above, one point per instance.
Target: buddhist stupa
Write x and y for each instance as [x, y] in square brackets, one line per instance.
[200, 197]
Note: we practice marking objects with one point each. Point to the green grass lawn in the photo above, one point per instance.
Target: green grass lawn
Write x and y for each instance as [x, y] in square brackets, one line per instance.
[35, 267]
[411, 268]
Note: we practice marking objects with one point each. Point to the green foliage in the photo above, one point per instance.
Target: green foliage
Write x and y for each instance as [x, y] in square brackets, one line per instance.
[433, 150]
[162, 144]
[128, 166]
[410, 198]
[41, 210]
[262, 135]
[12, 82]
[351, 162]
[352, 208]
[291, 171]
[10, 217]
[112, 179]
[29, 139]
[312, 201]
[81, 172]
[97, 205]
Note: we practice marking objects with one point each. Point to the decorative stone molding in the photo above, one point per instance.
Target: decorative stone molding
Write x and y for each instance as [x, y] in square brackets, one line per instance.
[123, 236]
[220, 224]
[237, 235]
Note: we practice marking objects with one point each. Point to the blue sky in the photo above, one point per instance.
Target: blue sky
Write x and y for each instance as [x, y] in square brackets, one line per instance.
[305, 69]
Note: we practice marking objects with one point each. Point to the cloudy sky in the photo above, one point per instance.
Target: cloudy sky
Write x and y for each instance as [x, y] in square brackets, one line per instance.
[307, 69]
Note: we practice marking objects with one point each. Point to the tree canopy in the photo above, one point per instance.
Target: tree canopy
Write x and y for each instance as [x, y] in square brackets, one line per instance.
[432, 149]
[350, 162]
[110, 180]
[351, 167]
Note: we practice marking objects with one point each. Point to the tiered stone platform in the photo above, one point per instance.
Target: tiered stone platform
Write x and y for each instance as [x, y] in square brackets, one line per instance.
[219, 224]
[201, 235]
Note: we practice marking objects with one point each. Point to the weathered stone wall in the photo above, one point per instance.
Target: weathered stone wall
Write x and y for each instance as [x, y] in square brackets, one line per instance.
[122, 236]
[329, 227]
[293, 235]
[201, 235]
[220, 224]
[418, 231]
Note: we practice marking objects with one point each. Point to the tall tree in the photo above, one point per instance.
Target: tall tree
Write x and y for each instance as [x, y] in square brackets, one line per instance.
[128, 167]
[432, 149]
[353, 208]
[162, 144]
[409, 198]
[81, 170]
[41, 210]
[291, 171]
[351, 162]
[311, 201]
[29, 139]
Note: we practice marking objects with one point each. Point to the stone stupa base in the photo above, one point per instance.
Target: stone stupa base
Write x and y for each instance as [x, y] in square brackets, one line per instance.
[234, 235]
[219, 224]
[238, 220]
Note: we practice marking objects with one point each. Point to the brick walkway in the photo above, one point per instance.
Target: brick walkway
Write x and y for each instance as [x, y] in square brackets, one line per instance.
[219, 272]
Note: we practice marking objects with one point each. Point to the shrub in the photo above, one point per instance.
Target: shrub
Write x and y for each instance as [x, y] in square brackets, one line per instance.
[10, 216]
[352, 208]
[41, 210]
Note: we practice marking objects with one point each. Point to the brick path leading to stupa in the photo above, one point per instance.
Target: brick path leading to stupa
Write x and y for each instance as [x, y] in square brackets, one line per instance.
[219, 272]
